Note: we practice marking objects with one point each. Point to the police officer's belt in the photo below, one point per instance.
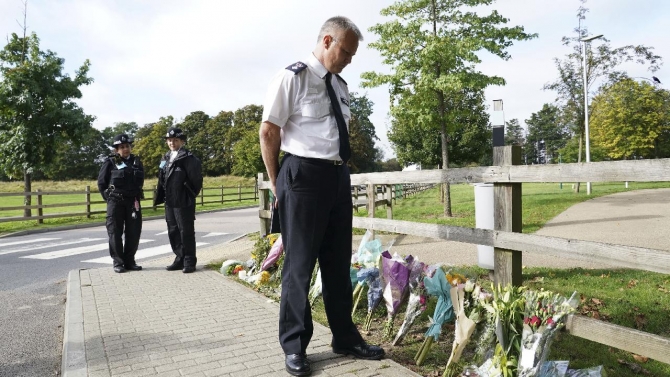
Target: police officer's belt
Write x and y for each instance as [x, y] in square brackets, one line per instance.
[319, 161]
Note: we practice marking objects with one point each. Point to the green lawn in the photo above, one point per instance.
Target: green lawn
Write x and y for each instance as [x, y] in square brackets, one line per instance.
[541, 203]
[212, 187]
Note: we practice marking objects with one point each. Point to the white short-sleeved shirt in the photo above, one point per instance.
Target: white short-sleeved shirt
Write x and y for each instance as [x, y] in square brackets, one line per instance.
[299, 104]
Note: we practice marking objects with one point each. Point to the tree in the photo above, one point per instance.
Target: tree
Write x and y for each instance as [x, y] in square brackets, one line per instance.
[86, 157]
[629, 119]
[215, 156]
[128, 128]
[150, 144]
[546, 133]
[193, 125]
[390, 165]
[416, 142]
[364, 154]
[38, 112]
[603, 61]
[432, 48]
[513, 133]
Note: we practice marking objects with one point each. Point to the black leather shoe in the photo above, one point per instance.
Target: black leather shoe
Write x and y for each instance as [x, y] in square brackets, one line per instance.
[174, 267]
[119, 269]
[362, 351]
[134, 268]
[188, 269]
[298, 365]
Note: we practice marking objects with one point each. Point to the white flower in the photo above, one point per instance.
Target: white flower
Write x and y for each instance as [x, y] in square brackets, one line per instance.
[469, 286]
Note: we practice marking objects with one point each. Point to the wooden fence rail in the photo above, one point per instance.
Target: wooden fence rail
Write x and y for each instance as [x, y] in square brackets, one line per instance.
[508, 241]
[223, 194]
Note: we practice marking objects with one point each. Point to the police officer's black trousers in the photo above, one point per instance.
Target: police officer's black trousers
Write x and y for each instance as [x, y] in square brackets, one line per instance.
[119, 219]
[181, 231]
[315, 212]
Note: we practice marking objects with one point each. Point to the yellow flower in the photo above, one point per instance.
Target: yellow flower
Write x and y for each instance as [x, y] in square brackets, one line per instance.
[264, 278]
[272, 237]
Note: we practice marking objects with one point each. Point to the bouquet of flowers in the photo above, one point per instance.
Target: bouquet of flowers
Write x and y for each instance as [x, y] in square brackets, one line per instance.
[273, 255]
[315, 290]
[416, 303]
[463, 299]
[396, 278]
[505, 315]
[543, 315]
[436, 285]
[374, 283]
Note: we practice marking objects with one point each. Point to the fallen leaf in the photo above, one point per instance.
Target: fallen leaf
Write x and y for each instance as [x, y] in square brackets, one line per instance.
[596, 301]
[640, 359]
[640, 321]
[632, 283]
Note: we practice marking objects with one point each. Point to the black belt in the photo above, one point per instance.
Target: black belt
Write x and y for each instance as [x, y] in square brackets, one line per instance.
[319, 160]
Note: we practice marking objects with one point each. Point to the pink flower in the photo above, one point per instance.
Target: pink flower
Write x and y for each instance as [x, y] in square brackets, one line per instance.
[550, 321]
[535, 321]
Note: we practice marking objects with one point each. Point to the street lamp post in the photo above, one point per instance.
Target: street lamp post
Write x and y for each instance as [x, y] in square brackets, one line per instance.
[586, 104]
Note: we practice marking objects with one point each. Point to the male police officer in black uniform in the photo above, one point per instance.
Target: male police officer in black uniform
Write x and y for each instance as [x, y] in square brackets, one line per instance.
[306, 115]
[179, 182]
[120, 182]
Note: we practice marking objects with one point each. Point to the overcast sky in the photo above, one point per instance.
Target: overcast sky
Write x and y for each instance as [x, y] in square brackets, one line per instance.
[156, 58]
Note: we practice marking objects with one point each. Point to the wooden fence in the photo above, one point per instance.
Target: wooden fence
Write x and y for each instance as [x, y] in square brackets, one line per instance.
[509, 243]
[208, 195]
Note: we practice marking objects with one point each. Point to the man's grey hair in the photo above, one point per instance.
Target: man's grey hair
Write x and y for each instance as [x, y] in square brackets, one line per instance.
[338, 23]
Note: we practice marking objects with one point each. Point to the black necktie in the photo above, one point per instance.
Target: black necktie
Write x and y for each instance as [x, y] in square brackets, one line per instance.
[345, 148]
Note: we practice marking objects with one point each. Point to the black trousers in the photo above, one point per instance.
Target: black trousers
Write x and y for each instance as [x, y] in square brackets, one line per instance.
[181, 231]
[120, 220]
[315, 212]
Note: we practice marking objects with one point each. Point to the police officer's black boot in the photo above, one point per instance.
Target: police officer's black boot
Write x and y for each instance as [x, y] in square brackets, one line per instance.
[178, 264]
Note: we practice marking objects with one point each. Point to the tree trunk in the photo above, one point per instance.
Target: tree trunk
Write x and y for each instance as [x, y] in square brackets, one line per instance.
[27, 189]
[445, 154]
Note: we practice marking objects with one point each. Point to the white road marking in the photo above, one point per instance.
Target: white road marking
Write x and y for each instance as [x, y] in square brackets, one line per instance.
[51, 244]
[73, 251]
[162, 233]
[214, 234]
[27, 241]
[142, 254]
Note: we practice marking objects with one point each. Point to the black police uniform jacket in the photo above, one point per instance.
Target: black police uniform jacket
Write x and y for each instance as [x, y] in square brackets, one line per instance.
[179, 182]
[127, 180]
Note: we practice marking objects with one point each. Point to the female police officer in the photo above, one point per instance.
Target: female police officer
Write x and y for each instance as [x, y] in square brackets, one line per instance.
[120, 183]
[179, 182]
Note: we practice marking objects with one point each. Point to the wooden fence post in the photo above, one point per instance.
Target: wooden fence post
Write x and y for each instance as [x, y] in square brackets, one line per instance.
[222, 194]
[389, 201]
[202, 197]
[88, 202]
[239, 192]
[154, 197]
[507, 218]
[355, 200]
[264, 204]
[372, 197]
[39, 209]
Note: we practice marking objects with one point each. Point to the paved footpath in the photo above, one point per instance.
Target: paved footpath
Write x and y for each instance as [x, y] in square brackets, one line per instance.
[156, 322]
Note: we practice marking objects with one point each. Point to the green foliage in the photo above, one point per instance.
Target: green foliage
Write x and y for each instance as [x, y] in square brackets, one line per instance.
[545, 125]
[513, 133]
[77, 160]
[432, 49]
[150, 145]
[246, 149]
[128, 128]
[603, 62]
[364, 155]
[38, 112]
[629, 118]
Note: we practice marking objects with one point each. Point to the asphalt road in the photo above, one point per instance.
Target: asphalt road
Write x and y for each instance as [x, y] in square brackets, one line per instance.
[34, 269]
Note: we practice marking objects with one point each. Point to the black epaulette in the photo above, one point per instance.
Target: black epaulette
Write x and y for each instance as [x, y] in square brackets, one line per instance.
[341, 79]
[297, 67]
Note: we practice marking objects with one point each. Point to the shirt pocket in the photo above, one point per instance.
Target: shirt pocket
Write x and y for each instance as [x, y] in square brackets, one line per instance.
[315, 110]
[346, 112]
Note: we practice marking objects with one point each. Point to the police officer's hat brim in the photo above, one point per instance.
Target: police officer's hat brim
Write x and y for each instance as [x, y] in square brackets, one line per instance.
[117, 143]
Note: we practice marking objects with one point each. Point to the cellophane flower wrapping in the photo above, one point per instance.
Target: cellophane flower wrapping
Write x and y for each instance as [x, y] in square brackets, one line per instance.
[598, 371]
[395, 274]
[436, 285]
[374, 282]
[369, 251]
[416, 303]
[315, 290]
[273, 256]
[544, 314]
[462, 300]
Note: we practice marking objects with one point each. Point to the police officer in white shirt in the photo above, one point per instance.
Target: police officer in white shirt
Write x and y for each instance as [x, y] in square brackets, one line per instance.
[306, 115]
